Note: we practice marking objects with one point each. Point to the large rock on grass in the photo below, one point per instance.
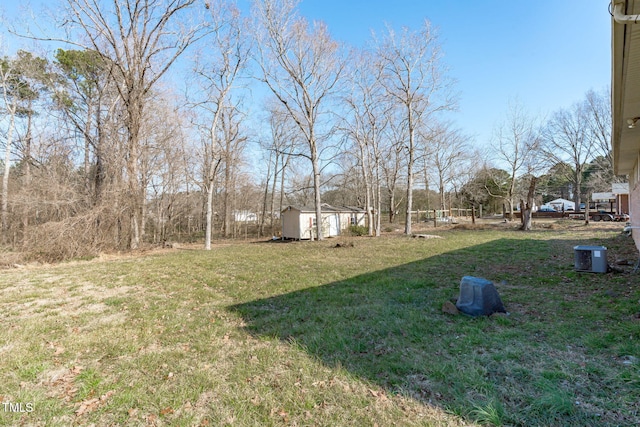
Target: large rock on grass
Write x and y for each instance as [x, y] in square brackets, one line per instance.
[479, 297]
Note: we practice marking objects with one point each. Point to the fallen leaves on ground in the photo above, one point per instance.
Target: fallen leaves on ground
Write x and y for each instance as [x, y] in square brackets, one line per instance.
[379, 394]
[91, 405]
[64, 386]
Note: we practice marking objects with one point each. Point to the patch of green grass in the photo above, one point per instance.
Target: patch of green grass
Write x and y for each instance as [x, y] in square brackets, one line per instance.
[30, 371]
[554, 399]
[87, 383]
[491, 413]
[309, 334]
[115, 301]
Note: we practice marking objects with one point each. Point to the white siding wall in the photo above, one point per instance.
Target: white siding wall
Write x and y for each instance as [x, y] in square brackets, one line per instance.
[634, 201]
[299, 225]
[306, 225]
[345, 219]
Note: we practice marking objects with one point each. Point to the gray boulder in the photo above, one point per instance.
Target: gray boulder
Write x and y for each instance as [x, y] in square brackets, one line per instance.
[479, 297]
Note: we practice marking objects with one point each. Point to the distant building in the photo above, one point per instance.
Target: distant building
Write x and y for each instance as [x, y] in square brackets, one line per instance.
[299, 222]
[616, 201]
[621, 193]
[245, 216]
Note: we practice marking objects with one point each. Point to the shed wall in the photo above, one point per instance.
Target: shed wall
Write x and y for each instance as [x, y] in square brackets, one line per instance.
[345, 219]
[299, 225]
[291, 224]
[306, 228]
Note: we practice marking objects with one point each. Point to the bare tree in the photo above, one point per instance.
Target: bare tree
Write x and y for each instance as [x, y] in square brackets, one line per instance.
[447, 150]
[414, 77]
[141, 39]
[302, 65]
[516, 145]
[162, 169]
[299, 188]
[219, 69]
[368, 118]
[232, 144]
[527, 207]
[282, 141]
[393, 162]
[162, 147]
[601, 174]
[598, 110]
[566, 139]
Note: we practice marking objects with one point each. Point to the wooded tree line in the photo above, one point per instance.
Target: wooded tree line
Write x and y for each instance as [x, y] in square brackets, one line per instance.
[145, 127]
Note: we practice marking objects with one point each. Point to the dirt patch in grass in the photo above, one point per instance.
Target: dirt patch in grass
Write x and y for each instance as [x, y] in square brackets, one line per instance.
[56, 295]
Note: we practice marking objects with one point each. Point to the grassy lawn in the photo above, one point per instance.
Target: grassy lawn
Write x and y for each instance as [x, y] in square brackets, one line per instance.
[306, 333]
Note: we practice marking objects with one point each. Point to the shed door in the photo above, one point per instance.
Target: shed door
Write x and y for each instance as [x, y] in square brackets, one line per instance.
[334, 225]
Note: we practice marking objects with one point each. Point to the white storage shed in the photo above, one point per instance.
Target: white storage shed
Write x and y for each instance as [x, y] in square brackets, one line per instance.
[300, 222]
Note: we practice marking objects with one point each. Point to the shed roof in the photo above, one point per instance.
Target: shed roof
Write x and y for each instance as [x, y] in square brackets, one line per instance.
[561, 200]
[325, 208]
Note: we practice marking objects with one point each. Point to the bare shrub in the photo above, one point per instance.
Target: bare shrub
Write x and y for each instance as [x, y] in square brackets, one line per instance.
[81, 236]
[11, 259]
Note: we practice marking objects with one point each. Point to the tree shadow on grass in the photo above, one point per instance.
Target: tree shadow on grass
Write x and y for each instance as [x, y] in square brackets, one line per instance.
[387, 327]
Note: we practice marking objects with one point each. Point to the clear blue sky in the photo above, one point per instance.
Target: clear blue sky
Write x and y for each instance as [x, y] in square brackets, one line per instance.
[547, 53]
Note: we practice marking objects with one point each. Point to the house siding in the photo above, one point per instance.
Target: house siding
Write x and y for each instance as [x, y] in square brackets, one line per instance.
[634, 203]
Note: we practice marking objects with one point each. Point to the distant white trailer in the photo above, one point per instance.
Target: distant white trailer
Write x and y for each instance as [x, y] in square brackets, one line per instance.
[559, 205]
[245, 216]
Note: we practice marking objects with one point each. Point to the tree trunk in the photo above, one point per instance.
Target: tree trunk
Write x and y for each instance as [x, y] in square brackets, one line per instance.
[5, 179]
[577, 192]
[366, 177]
[282, 176]
[441, 192]
[99, 177]
[510, 195]
[273, 194]
[378, 194]
[586, 210]
[27, 169]
[227, 196]
[526, 217]
[526, 212]
[87, 151]
[392, 206]
[134, 124]
[209, 225]
[143, 210]
[316, 190]
[378, 215]
[510, 202]
[265, 196]
[407, 224]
